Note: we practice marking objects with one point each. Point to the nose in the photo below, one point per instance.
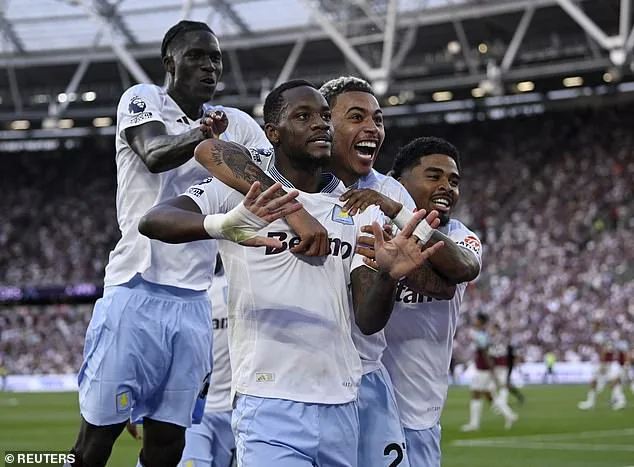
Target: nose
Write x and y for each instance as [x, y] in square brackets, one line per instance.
[320, 124]
[208, 64]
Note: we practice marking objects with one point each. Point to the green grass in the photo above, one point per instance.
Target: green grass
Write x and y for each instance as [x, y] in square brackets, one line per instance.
[551, 431]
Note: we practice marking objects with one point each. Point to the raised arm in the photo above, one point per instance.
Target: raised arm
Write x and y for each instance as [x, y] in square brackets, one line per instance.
[161, 152]
[231, 164]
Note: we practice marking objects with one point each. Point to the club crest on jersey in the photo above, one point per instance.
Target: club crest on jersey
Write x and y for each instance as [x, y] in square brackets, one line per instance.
[471, 243]
[341, 216]
[123, 402]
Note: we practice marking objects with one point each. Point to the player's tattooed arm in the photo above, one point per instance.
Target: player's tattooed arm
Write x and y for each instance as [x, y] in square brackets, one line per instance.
[373, 296]
[453, 262]
[428, 282]
[231, 164]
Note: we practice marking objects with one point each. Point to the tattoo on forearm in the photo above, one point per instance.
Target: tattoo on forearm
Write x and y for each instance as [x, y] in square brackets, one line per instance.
[427, 281]
[237, 159]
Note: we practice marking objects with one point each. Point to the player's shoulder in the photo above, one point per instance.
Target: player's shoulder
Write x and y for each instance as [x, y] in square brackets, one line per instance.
[464, 236]
[143, 91]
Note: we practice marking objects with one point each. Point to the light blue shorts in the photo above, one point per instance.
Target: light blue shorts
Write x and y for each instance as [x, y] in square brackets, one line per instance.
[381, 440]
[147, 352]
[283, 433]
[211, 443]
[423, 446]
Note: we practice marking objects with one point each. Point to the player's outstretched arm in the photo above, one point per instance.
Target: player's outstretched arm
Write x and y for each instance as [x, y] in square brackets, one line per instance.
[231, 164]
[180, 220]
[161, 152]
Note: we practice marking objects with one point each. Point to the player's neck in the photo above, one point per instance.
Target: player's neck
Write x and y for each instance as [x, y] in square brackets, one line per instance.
[193, 109]
[345, 174]
[304, 177]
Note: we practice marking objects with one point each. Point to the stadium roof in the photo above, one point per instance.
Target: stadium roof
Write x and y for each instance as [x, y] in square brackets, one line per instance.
[56, 51]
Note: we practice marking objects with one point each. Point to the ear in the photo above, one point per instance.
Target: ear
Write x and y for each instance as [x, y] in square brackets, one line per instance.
[272, 133]
[168, 64]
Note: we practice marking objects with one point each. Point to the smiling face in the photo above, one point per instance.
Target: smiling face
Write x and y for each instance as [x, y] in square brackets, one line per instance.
[358, 124]
[304, 132]
[195, 63]
[434, 183]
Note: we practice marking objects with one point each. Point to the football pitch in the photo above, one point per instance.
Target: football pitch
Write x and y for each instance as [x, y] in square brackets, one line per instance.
[551, 431]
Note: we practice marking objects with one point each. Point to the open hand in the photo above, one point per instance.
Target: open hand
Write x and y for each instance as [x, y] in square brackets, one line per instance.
[403, 254]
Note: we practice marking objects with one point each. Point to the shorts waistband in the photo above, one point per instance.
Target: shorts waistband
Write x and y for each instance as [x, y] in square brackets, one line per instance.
[168, 291]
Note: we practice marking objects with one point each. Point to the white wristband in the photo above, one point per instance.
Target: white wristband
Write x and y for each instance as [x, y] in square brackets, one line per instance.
[238, 225]
[402, 218]
[423, 231]
[213, 225]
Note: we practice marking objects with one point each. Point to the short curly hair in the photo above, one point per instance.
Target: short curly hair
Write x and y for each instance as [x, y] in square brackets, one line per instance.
[409, 155]
[275, 103]
[337, 86]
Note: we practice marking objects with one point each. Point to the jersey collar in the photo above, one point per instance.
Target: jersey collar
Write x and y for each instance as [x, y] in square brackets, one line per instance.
[328, 181]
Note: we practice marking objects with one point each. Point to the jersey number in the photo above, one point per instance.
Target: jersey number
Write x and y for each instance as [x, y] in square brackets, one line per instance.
[390, 448]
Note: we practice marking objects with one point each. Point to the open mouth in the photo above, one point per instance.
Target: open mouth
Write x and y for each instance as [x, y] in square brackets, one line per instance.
[441, 203]
[366, 149]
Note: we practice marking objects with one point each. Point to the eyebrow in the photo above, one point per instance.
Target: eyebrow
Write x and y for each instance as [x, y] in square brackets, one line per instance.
[362, 110]
[438, 170]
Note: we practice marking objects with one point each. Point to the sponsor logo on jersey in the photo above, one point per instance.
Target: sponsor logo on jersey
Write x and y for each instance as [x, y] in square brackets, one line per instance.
[341, 216]
[337, 247]
[183, 119]
[197, 192]
[471, 243]
[123, 402]
[406, 295]
[220, 323]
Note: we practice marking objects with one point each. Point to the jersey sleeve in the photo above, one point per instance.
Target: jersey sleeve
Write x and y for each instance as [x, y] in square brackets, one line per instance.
[466, 239]
[138, 105]
[262, 156]
[249, 133]
[213, 197]
[372, 214]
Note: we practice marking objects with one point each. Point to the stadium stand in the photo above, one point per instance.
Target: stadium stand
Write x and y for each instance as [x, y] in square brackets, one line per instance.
[551, 197]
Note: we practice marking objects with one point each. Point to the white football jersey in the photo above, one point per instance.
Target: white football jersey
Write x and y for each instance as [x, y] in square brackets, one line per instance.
[219, 395]
[289, 315]
[189, 265]
[371, 348]
[419, 337]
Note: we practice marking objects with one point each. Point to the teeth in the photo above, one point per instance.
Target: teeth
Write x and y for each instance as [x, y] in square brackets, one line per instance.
[441, 202]
[367, 144]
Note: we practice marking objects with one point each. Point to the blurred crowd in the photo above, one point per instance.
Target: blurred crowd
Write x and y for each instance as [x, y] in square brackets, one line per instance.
[550, 196]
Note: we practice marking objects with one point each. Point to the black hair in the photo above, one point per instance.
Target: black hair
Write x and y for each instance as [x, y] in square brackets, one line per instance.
[409, 155]
[337, 86]
[274, 104]
[181, 28]
[483, 318]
